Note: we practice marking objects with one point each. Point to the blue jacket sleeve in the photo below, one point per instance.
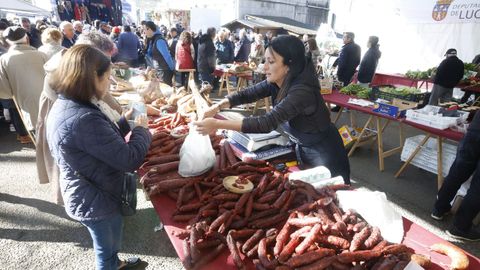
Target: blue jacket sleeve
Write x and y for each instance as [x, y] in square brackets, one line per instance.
[96, 136]
[162, 47]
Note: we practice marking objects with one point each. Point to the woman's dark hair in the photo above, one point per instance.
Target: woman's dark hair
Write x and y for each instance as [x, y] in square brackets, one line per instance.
[80, 66]
[151, 25]
[127, 28]
[293, 52]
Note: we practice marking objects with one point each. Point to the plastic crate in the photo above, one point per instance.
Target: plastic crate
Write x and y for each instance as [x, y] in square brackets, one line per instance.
[376, 93]
[429, 116]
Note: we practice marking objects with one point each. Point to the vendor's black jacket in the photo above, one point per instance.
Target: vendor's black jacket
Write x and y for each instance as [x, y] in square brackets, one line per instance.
[206, 54]
[449, 72]
[368, 65]
[348, 61]
[303, 106]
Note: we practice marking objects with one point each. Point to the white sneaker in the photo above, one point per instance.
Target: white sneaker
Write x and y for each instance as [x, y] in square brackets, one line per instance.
[12, 128]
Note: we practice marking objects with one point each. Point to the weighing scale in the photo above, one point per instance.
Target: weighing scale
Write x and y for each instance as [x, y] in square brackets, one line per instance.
[255, 141]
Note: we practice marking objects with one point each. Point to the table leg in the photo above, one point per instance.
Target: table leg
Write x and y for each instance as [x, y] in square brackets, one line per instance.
[223, 84]
[267, 104]
[412, 156]
[402, 135]
[439, 162]
[353, 122]
[339, 113]
[381, 165]
[356, 144]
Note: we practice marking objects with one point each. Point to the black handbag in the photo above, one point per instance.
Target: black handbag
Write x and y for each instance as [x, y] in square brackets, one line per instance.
[128, 198]
[129, 194]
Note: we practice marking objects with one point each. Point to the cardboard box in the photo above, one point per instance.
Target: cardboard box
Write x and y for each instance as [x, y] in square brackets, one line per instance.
[350, 135]
[396, 109]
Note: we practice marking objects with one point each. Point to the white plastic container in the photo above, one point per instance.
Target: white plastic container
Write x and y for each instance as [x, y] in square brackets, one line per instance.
[311, 175]
[429, 116]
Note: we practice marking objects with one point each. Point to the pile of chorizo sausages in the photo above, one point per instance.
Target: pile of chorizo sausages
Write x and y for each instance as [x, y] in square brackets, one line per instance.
[281, 224]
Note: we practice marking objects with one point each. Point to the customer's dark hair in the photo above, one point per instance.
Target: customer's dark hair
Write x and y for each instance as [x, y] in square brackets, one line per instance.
[127, 28]
[80, 66]
[151, 25]
[293, 52]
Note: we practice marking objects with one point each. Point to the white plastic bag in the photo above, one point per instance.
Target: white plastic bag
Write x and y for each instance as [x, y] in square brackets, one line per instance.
[196, 155]
[376, 210]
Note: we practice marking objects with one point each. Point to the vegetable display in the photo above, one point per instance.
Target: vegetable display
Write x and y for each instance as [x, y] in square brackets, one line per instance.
[356, 90]
[402, 90]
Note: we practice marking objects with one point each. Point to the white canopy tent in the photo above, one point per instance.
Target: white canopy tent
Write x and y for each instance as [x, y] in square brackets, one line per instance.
[413, 34]
[22, 7]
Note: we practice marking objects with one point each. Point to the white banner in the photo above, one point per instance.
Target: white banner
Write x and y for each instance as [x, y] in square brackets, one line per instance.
[440, 11]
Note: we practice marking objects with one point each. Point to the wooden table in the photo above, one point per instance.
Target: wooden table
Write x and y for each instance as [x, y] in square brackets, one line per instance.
[374, 118]
[440, 136]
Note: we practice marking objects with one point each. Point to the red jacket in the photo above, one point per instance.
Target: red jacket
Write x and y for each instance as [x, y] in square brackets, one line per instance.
[184, 57]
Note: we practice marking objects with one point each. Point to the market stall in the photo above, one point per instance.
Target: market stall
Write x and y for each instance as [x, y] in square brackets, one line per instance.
[220, 211]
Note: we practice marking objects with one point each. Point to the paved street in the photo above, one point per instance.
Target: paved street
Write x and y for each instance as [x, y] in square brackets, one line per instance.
[37, 234]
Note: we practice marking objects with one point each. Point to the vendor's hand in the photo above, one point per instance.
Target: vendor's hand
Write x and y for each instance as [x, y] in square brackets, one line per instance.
[128, 114]
[141, 121]
[209, 112]
[206, 126]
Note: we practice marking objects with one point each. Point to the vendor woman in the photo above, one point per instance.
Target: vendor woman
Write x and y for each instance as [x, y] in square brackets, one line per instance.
[298, 107]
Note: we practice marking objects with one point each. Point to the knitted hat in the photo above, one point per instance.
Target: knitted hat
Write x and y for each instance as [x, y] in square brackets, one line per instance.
[14, 33]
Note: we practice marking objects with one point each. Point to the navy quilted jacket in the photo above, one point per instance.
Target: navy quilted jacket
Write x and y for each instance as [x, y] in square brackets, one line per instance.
[82, 139]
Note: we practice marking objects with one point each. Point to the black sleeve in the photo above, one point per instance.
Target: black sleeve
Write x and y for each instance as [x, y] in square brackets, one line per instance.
[258, 91]
[289, 107]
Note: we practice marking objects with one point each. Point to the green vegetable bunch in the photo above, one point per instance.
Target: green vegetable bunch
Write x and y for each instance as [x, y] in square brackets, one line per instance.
[356, 90]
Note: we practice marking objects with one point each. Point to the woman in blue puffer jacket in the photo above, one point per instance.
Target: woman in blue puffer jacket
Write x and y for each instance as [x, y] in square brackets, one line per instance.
[86, 139]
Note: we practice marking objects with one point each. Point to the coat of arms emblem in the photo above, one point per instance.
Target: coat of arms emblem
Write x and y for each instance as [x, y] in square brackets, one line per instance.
[440, 9]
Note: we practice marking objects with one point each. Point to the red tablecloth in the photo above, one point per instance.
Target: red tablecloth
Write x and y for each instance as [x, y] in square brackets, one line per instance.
[342, 100]
[415, 237]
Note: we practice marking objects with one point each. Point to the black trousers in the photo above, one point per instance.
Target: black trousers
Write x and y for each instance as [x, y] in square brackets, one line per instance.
[165, 76]
[467, 162]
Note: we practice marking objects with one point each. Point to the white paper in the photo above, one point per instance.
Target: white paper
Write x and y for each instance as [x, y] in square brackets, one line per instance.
[376, 210]
[413, 266]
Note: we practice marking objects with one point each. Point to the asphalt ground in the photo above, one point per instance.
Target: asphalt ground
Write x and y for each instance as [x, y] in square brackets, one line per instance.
[37, 234]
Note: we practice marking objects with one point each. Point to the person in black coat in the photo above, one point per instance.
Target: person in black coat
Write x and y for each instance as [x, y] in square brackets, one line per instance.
[466, 96]
[206, 56]
[348, 60]
[242, 48]
[449, 73]
[369, 63]
[466, 164]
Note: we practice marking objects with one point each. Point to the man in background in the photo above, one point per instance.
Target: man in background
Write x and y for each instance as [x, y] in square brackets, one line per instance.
[32, 33]
[68, 34]
[348, 60]
[78, 27]
[21, 77]
[158, 56]
[449, 73]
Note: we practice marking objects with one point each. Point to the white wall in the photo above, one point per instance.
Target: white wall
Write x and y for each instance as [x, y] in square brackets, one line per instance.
[409, 38]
